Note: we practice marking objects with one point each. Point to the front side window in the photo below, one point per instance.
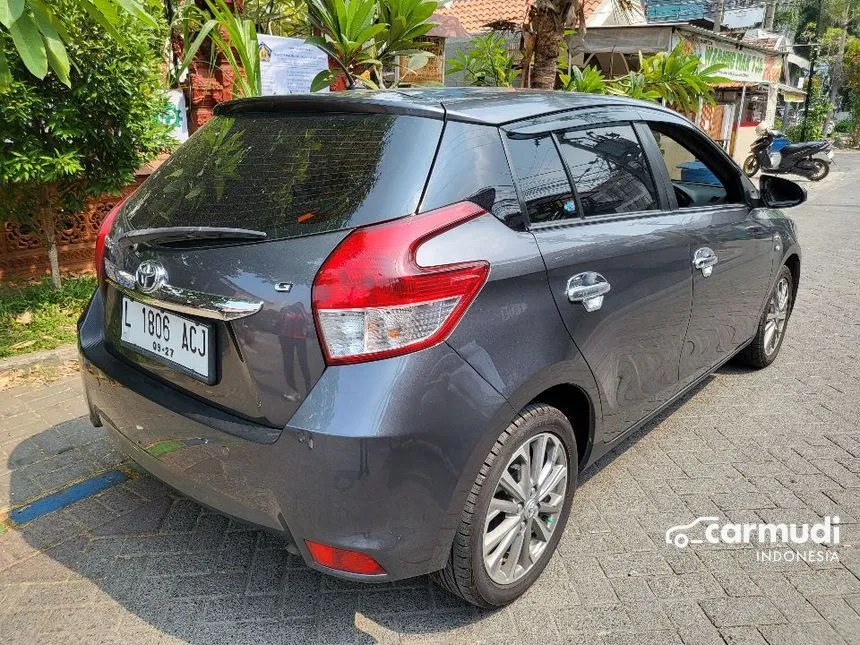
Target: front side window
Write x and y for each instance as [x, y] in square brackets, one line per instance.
[609, 170]
[697, 177]
[543, 183]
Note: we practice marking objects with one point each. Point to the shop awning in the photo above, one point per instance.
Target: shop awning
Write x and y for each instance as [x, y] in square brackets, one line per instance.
[791, 94]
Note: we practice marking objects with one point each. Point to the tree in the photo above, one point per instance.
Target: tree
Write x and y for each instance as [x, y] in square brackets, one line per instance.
[40, 35]
[542, 36]
[487, 62]
[843, 12]
[365, 37]
[61, 144]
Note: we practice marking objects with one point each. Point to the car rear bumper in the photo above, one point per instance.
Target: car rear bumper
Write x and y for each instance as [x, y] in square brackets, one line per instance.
[378, 458]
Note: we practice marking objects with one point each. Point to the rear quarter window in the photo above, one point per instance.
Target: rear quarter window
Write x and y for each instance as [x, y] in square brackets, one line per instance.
[291, 174]
[472, 165]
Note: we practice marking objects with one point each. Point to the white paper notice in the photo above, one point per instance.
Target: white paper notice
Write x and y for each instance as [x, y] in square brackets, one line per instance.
[288, 65]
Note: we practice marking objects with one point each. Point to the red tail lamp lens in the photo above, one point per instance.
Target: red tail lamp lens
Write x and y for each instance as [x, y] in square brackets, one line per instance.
[373, 300]
[343, 560]
[104, 231]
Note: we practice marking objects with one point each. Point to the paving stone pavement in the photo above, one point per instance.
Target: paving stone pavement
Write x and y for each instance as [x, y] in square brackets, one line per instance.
[139, 564]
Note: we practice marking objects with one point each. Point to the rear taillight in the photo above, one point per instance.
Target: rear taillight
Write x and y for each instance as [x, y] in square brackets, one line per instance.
[104, 231]
[372, 300]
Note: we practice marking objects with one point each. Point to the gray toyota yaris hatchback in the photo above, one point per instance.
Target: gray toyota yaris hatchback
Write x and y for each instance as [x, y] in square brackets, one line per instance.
[394, 327]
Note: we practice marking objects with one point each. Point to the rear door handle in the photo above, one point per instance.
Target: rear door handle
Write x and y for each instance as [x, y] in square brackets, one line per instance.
[705, 259]
[588, 288]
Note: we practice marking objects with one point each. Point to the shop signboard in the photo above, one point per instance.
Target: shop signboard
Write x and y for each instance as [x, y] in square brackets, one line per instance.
[740, 63]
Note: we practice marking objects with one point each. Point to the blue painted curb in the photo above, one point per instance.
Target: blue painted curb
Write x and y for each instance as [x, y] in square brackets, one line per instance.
[67, 496]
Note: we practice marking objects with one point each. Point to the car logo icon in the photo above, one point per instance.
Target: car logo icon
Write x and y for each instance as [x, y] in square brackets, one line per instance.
[150, 276]
[678, 536]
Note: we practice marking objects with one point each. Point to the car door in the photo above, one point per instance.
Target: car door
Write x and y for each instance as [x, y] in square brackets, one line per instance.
[732, 255]
[617, 262]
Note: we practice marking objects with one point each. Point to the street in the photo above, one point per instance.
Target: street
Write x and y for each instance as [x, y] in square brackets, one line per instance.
[132, 562]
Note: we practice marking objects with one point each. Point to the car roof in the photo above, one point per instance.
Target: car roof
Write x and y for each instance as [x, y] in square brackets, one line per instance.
[486, 105]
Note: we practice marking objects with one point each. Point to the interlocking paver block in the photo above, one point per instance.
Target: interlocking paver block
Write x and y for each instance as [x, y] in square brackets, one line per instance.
[140, 564]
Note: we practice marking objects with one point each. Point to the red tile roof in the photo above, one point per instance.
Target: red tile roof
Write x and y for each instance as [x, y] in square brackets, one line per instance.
[474, 15]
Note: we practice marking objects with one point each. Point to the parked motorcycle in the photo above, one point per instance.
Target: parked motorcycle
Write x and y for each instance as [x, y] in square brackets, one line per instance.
[794, 158]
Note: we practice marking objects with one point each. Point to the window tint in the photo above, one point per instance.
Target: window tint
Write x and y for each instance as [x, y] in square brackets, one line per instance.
[609, 170]
[696, 173]
[472, 165]
[542, 180]
[291, 174]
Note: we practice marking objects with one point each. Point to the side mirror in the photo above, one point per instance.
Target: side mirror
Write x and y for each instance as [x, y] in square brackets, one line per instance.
[777, 192]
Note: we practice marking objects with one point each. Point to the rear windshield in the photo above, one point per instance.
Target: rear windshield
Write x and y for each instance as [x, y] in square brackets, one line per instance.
[290, 175]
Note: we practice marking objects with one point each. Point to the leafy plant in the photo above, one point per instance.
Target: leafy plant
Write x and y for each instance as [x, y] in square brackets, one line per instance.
[364, 37]
[278, 17]
[816, 117]
[676, 78]
[60, 145]
[232, 35]
[589, 80]
[40, 34]
[486, 63]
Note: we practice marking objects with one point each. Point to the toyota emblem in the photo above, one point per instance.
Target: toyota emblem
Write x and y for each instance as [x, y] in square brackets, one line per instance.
[150, 276]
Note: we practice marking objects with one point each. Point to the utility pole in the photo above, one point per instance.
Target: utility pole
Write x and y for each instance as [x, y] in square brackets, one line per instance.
[812, 57]
[769, 11]
[718, 15]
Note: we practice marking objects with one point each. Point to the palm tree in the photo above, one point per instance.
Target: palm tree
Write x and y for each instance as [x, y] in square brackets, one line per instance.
[542, 36]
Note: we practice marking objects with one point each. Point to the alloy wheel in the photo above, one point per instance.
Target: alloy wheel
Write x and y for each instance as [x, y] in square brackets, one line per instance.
[777, 314]
[525, 508]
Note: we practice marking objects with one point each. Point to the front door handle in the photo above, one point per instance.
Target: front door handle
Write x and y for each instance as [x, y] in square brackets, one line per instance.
[705, 259]
[589, 289]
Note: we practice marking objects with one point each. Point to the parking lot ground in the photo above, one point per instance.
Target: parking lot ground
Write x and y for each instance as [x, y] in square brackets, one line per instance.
[123, 559]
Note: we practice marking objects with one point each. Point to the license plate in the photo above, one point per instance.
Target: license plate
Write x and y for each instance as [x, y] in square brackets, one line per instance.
[830, 155]
[172, 339]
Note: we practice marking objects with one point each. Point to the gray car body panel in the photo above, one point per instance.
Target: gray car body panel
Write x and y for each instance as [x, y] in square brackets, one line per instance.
[379, 457]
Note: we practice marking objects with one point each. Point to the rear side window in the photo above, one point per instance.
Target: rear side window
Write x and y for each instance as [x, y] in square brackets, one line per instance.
[291, 174]
[471, 165]
[542, 179]
[609, 170]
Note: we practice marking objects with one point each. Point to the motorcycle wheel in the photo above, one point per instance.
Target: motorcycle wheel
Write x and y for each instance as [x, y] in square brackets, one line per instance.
[820, 169]
[750, 166]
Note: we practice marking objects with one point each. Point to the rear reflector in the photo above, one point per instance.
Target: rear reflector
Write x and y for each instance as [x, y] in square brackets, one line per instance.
[372, 300]
[343, 560]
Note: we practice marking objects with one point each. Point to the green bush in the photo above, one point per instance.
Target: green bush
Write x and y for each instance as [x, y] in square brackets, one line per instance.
[61, 144]
[844, 126]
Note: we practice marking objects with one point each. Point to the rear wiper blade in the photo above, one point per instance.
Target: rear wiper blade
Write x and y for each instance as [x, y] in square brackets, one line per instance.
[173, 234]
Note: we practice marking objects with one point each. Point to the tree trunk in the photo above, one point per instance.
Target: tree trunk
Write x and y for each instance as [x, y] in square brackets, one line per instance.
[47, 209]
[49, 233]
[836, 76]
[548, 28]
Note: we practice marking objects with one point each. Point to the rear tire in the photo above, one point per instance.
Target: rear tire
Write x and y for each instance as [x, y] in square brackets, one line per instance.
[750, 166]
[822, 169]
[764, 348]
[477, 574]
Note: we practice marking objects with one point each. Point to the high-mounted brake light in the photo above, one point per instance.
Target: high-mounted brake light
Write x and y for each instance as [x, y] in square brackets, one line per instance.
[372, 300]
[343, 560]
[104, 231]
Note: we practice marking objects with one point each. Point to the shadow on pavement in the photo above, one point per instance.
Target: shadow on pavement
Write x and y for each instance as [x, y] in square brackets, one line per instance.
[196, 575]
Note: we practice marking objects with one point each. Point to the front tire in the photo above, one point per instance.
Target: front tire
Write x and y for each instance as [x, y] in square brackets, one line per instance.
[516, 511]
[750, 166]
[764, 348]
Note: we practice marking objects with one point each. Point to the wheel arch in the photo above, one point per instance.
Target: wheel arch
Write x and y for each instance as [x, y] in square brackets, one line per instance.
[574, 403]
[792, 261]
